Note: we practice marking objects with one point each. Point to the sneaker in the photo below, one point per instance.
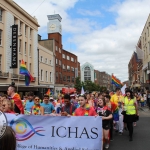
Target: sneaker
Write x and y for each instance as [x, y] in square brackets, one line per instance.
[111, 139]
[107, 146]
[120, 133]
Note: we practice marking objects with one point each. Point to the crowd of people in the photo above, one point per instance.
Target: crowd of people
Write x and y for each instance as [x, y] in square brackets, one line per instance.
[119, 112]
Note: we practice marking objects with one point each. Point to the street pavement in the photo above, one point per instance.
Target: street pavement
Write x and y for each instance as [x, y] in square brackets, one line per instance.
[141, 135]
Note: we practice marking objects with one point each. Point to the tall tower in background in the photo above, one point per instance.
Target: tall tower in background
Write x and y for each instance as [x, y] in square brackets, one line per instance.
[54, 30]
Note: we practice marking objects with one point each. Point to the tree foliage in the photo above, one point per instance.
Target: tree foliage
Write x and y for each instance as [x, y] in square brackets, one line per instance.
[88, 86]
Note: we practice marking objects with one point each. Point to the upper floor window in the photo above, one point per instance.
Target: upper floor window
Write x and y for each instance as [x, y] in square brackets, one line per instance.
[1, 15]
[56, 61]
[41, 75]
[25, 30]
[46, 75]
[72, 59]
[64, 67]
[46, 60]
[30, 33]
[0, 37]
[30, 50]
[25, 49]
[68, 68]
[63, 55]
[68, 58]
[30, 69]
[20, 28]
[50, 76]
[59, 50]
[41, 59]
[50, 62]
[56, 48]
[20, 45]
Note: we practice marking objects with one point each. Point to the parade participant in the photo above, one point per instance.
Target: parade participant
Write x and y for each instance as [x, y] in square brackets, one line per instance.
[76, 103]
[1, 102]
[130, 108]
[69, 108]
[105, 112]
[15, 97]
[51, 99]
[117, 99]
[8, 106]
[29, 103]
[90, 100]
[84, 109]
[113, 107]
[48, 107]
[8, 140]
[142, 100]
[37, 109]
[4, 96]
[138, 98]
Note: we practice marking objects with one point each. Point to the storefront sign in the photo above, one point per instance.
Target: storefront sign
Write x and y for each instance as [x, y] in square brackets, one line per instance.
[14, 58]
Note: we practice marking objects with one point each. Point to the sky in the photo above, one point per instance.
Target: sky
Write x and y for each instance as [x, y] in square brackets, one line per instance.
[101, 32]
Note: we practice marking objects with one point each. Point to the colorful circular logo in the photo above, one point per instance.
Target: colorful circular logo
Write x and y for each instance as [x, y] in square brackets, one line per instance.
[24, 129]
[3, 124]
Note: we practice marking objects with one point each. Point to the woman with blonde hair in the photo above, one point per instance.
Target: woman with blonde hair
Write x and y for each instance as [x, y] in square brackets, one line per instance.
[8, 106]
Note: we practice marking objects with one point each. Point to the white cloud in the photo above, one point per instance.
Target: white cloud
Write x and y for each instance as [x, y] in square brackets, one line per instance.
[108, 49]
[85, 12]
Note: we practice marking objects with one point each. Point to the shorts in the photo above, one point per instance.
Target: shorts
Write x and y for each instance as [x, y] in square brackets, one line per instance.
[106, 126]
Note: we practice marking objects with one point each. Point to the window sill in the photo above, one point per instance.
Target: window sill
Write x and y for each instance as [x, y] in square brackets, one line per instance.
[1, 45]
[20, 53]
[2, 22]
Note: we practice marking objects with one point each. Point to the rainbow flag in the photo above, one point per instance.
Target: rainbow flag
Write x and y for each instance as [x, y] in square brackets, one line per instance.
[48, 92]
[24, 71]
[115, 81]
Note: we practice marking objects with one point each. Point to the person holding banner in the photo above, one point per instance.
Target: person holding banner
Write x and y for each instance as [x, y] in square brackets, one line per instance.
[68, 109]
[113, 107]
[105, 112]
[37, 109]
[29, 103]
[84, 109]
[8, 106]
[48, 107]
[8, 140]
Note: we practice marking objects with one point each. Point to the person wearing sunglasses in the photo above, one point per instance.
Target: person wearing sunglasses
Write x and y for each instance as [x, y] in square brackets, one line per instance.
[37, 109]
[8, 106]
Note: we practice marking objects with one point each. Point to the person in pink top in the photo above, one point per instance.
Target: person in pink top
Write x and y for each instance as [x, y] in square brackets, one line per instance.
[84, 109]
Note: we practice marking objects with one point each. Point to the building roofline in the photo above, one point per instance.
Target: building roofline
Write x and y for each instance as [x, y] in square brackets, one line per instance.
[17, 7]
[69, 52]
[145, 23]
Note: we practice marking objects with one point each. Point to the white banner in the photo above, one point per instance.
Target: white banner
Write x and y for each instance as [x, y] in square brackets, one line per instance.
[56, 133]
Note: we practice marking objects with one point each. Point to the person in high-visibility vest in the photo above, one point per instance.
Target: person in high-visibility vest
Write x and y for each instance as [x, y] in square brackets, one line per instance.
[130, 111]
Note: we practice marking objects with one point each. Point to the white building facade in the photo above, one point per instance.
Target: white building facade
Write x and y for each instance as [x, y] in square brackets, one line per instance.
[87, 72]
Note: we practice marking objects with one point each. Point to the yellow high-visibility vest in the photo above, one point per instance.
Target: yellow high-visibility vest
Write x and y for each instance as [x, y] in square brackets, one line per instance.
[129, 106]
